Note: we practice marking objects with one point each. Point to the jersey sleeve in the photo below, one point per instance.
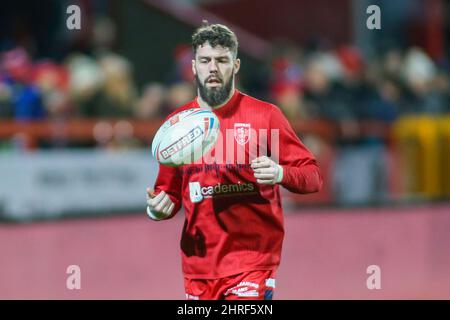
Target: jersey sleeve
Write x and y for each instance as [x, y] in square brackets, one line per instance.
[301, 173]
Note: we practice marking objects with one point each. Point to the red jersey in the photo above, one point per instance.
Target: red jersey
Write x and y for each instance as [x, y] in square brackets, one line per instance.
[232, 223]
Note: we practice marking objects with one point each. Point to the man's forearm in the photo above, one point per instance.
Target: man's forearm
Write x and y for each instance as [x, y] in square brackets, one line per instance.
[304, 179]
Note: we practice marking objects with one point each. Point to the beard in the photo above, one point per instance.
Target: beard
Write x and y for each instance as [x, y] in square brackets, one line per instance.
[214, 96]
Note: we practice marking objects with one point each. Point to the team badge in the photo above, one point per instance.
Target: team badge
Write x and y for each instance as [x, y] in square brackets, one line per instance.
[242, 133]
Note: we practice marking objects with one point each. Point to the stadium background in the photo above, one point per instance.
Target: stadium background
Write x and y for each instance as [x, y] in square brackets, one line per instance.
[78, 109]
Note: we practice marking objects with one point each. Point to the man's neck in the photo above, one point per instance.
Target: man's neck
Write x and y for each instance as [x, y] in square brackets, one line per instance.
[202, 103]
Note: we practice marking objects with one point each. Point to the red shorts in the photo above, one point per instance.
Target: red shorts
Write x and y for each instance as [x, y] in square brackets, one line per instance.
[252, 285]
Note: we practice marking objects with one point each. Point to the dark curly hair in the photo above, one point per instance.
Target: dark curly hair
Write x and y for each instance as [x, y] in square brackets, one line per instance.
[215, 35]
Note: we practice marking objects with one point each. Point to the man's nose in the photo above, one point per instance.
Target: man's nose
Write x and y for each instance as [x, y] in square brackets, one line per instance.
[213, 66]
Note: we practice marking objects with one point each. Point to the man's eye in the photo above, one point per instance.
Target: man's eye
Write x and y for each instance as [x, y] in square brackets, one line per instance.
[203, 61]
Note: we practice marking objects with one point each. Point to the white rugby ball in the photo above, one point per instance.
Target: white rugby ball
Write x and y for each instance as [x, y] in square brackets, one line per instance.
[185, 137]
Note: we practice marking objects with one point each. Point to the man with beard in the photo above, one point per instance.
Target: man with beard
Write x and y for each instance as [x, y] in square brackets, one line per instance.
[233, 231]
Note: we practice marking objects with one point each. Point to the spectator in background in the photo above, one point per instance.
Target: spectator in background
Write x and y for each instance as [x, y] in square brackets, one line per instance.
[119, 93]
[441, 88]
[387, 102]
[6, 107]
[286, 83]
[178, 94]
[180, 88]
[104, 88]
[291, 102]
[151, 104]
[53, 82]
[86, 80]
[182, 65]
[24, 97]
[323, 97]
[419, 71]
[353, 86]
[103, 36]
[391, 65]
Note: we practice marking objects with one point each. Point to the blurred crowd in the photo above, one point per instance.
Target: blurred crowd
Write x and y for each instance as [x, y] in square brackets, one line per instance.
[335, 85]
[82, 86]
[340, 84]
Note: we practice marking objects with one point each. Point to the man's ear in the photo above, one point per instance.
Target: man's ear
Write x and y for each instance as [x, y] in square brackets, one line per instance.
[193, 68]
[237, 65]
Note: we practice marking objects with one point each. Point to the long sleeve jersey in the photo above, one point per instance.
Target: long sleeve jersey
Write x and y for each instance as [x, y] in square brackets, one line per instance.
[232, 223]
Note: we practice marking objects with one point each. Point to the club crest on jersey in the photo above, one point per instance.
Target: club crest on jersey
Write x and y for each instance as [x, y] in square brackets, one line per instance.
[242, 133]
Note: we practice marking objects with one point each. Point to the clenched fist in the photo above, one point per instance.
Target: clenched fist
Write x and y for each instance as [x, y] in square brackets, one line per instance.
[158, 206]
[266, 171]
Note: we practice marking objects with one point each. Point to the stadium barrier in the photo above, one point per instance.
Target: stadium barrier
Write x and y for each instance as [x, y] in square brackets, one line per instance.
[423, 148]
[88, 130]
[445, 155]
[52, 184]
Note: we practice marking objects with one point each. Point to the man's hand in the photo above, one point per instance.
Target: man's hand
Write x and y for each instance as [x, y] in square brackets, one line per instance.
[267, 171]
[158, 206]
